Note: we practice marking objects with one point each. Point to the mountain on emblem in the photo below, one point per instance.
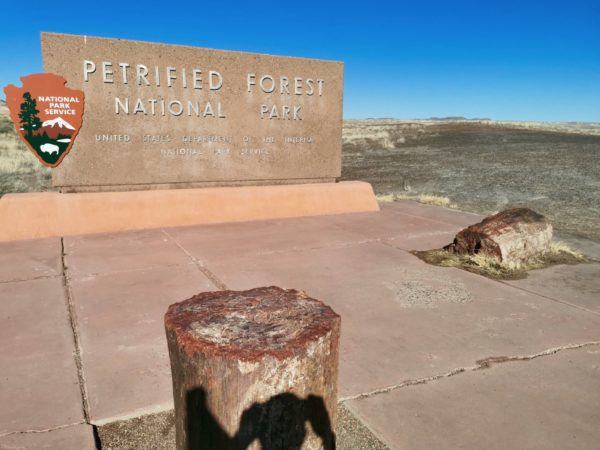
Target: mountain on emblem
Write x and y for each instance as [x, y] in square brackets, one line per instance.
[47, 115]
[59, 122]
[57, 128]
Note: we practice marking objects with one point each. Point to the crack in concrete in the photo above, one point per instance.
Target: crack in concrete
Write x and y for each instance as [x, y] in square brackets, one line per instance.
[42, 430]
[493, 360]
[21, 280]
[205, 270]
[361, 240]
[334, 246]
[443, 222]
[480, 364]
[76, 338]
[83, 275]
[562, 302]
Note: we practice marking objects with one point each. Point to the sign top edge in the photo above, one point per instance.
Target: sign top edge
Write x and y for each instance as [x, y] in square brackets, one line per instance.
[50, 33]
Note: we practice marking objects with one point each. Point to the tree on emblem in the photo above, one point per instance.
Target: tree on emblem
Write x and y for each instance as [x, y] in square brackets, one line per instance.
[29, 114]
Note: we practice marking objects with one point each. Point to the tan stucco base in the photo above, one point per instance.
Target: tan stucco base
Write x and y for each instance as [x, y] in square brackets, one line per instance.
[36, 215]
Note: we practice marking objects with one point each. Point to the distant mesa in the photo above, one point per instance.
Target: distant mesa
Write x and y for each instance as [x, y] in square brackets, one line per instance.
[448, 118]
[433, 119]
[458, 119]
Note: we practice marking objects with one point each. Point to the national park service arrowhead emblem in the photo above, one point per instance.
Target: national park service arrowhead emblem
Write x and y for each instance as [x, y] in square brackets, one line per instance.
[47, 115]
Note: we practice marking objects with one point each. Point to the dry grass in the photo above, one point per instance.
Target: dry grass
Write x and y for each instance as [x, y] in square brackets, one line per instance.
[367, 125]
[429, 199]
[426, 199]
[559, 248]
[491, 267]
[20, 171]
[381, 136]
[386, 198]
[586, 128]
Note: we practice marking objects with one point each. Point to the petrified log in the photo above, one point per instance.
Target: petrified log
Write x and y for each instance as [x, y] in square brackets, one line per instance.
[250, 368]
[512, 236]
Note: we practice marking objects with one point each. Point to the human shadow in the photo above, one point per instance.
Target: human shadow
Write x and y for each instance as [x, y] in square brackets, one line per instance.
[279, 423]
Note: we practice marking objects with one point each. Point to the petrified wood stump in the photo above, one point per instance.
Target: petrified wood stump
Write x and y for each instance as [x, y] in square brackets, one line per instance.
[251, 368]
[512, 236]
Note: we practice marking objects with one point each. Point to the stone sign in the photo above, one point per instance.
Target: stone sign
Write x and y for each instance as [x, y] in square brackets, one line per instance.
[161, 116]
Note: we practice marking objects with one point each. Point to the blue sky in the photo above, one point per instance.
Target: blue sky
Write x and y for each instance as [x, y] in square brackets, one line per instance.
[511, 60]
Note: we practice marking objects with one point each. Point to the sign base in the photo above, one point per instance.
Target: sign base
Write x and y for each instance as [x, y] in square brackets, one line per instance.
[46, 214]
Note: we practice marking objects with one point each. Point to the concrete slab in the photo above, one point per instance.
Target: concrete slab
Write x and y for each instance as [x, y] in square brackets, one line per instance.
[426, 240]
[386, 224]
[403, 319]
[39, 388]
[35, 258]
[577, 285]
[124, 351]
[589, 248]
[76, 437]
[116, 252]
[547, 403]
[407, 232]
[431, 212]
[213, 242]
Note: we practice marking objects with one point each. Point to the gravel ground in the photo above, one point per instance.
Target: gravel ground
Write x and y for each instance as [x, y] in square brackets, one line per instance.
[352, 434]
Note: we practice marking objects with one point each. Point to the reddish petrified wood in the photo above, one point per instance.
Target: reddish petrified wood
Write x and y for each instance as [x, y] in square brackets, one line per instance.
[250, 368]
[512, 236]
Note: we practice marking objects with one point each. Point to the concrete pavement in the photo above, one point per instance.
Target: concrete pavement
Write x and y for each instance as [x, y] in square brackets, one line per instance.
[431, 357]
